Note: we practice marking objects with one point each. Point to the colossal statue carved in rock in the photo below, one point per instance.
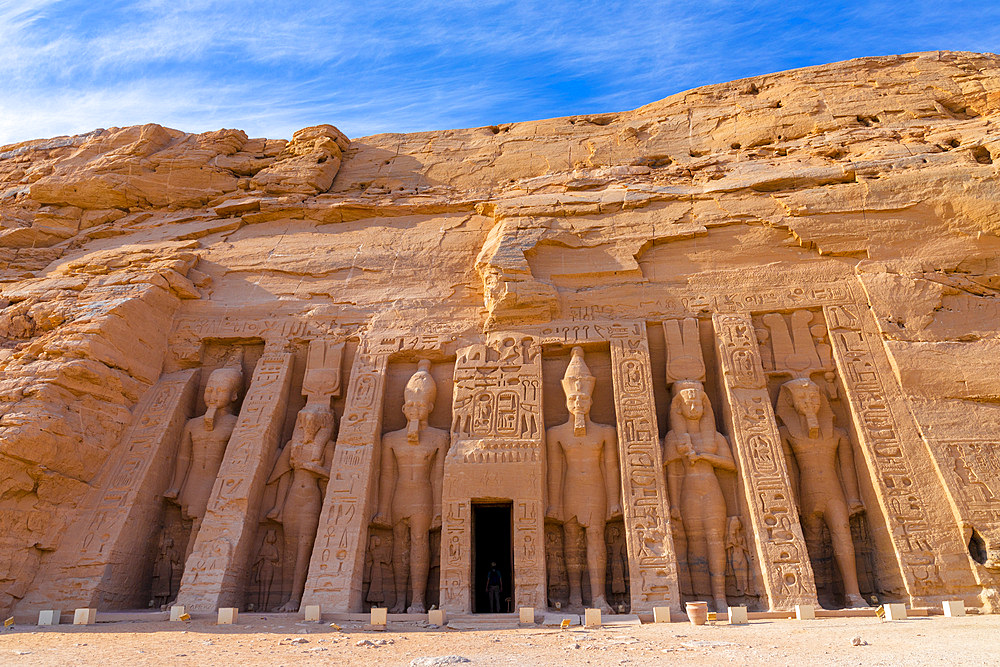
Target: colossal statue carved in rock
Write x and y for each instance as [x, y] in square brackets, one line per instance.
[410, 489]
[584, 489]
[692, 451]
[816, 450]
[301, 472]
[203, 444]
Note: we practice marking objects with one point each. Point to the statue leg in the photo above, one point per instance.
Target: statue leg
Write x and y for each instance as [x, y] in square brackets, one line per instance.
[597, 565]
[697, 552]
[839, 523]
[420, 562]
[715, 535]
[400, 564]
[572, 535]
[195, 526]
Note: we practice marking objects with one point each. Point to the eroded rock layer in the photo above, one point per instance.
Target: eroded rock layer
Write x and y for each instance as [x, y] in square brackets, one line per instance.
[738, 345]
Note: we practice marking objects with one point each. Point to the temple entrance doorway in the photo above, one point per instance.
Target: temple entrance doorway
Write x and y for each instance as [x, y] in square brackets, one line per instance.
[492, 528]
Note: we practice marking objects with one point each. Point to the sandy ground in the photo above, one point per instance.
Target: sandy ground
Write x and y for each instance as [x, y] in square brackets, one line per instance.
[936, 640]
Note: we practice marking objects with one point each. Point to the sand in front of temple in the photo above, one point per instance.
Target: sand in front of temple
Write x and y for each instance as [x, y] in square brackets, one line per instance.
[285, 640]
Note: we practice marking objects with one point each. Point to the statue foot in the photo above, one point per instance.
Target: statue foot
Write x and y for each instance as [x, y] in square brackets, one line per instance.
[602, 604]
[854, 601]
[397, 609]
[289, 607]
[416, 608]
[721, 605]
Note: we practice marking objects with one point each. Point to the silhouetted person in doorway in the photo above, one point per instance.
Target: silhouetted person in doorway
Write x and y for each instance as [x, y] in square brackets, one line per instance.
[494, 582]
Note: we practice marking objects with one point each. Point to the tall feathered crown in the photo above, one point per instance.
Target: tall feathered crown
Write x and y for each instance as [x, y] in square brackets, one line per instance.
[232, 370]
[578, 379]
[421, 384]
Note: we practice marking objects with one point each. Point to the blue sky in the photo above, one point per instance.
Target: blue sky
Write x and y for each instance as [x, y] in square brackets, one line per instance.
[372, 66]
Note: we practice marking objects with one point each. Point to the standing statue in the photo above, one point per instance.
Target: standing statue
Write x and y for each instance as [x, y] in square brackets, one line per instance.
[301, 472]
[813, 447]
[265, 568]
[738, 555]
[410, 489]
[692, 451]
[584, 488]
[163, 572]
[203, 444]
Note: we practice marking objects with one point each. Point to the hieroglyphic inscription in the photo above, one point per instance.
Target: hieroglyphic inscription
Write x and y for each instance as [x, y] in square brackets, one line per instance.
[103, 558]
[496, 420]
[787, 574]
[971, 470]
[336, 568]
[652, 560]
[879, 427]
[217, 567]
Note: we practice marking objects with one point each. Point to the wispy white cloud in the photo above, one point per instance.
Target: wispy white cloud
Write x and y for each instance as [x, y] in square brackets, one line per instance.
[271, 67]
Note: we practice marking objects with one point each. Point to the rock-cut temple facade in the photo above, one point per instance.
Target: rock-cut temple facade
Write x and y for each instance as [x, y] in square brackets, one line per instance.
[741, 345]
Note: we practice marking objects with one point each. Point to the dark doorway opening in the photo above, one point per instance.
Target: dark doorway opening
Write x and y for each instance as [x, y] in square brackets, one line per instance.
[492, 529]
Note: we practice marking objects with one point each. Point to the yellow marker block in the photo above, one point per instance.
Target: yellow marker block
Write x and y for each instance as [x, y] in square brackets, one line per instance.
[564, 624]
[336, 627]
[9, 622]
[712, 616]
[880, 612]
[184, 617]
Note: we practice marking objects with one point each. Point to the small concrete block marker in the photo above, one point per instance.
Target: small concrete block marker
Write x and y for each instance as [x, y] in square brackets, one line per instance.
[805, 612]
[51, 616]
[437, 617]
[527, 614]
[592, 618]
[313, 613]
[952, 608]
[738, 616]
[176, 612]
[379, 615]
[661, 614]
[228, 615]
[895, 611]
[85, 616]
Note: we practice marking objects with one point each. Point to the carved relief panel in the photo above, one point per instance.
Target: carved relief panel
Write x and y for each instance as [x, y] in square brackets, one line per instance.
[787, 575]
[496, 457]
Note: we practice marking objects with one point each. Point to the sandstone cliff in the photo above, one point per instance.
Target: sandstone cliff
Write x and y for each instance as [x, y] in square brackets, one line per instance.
[878, 170]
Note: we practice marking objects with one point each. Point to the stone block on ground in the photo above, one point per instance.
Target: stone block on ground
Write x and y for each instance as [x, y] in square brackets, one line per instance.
[953, 608]
[804, 612]
[176, 611]
[592, 618]
[379, 616]
[49, 617]
[85, 616]
[437, 617]
[738, 616]
[661, 614]
[895, 611]
[313, 613]
[527, 614]
[228, 615]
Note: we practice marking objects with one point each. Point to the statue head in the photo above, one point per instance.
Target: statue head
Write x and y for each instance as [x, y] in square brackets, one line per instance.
[221, 391]
[803, 408]
[691, 396]
[418, 398]
[578, 384]
[310, 420]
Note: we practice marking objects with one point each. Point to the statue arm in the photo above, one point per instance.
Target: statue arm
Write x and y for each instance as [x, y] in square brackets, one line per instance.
[790, 464]
[437, 481]
[386, 485]
[675, 474]
[723, 457]
[612, 476]
[554, 468]
[849, 474]
[279, 474]
[181, 466]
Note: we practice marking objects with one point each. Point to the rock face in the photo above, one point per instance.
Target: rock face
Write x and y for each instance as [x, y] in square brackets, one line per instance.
[796, 275]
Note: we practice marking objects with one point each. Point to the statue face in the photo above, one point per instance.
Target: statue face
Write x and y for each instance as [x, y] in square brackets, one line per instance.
[806, 398]
[417, 408]
[220, 391]
[579, 404]
[691, 404]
